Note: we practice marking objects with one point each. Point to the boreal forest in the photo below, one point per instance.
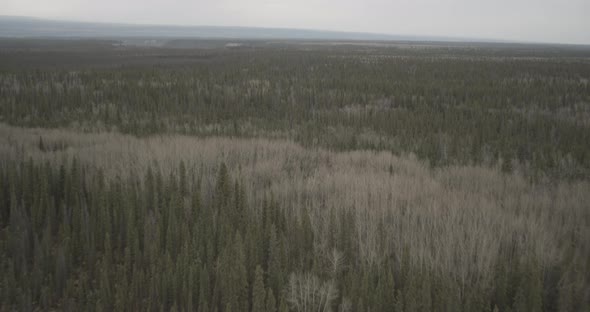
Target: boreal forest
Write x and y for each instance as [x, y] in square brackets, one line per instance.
[276, 176]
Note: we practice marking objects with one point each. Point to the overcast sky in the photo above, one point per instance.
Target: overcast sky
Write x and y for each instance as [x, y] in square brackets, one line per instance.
[562, 21]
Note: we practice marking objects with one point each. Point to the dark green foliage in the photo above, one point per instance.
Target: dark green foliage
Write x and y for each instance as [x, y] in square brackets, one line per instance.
[258, 291]
[283, 305]
[130, 256]
[271, 304]
[73, 239]
[454, 105]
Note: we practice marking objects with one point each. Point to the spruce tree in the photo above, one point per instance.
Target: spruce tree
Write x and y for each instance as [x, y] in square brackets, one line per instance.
[258, 292]
[283, 307]
[274, 261]
[271, 304]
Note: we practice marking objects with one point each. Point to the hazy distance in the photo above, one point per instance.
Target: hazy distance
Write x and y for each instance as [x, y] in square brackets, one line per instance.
[550, 21]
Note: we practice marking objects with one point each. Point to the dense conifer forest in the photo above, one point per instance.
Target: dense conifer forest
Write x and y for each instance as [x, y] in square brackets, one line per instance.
[294, 176]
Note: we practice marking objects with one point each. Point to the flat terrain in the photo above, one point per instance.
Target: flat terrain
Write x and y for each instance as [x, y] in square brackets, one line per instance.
[275, 175]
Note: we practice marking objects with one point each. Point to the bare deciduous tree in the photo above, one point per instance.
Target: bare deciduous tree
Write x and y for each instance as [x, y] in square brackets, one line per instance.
[306, 293]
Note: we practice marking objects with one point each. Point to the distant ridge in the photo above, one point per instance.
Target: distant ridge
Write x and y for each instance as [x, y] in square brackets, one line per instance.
[29, 27]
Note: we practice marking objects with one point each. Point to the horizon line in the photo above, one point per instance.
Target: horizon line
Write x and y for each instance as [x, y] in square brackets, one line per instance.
[424, 38]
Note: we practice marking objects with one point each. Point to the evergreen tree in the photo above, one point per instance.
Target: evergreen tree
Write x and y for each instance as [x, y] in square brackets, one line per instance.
[283, 307]
[520, 300]
[398, 305]
[271, 304]
[274, 259]
[258, 291]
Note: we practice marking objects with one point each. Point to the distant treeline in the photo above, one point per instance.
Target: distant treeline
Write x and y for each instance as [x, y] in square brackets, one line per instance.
[447, 105]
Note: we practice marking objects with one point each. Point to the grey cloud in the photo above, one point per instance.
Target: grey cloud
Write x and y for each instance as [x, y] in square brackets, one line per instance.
[519, 20]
